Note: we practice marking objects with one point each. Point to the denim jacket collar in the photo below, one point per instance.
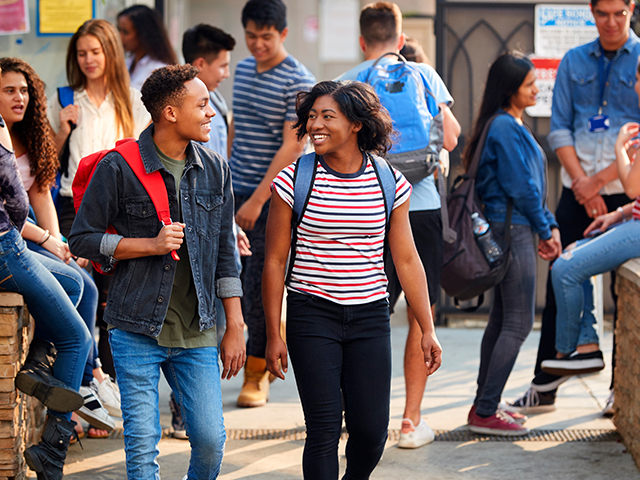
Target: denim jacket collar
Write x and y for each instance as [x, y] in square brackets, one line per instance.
[150, 157]
[594, 47]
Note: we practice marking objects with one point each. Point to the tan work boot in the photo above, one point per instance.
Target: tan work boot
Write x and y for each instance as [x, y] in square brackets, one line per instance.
[255, 390]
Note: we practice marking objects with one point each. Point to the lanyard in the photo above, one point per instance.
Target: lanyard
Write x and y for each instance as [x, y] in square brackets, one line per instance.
[603, 75]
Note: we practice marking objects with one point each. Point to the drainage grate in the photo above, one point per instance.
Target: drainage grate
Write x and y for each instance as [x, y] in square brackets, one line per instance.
[458, 435]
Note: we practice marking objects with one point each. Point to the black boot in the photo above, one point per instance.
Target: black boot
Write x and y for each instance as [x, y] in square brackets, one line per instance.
[47, 458]
[36, 378]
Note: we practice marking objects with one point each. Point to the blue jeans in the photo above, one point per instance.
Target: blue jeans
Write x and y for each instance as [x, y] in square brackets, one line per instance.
[194, 377]
[510, 320]
[341, 352]
[56, 317]
[83, 293]
[570, 275]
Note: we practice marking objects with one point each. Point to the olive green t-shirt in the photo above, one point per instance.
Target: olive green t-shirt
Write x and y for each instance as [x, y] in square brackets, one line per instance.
[181, 328]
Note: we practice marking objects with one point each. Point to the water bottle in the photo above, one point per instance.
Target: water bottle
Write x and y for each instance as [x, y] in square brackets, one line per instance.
[488, 245]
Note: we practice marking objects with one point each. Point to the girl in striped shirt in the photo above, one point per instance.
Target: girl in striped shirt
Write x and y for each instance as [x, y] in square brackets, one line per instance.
[338, 330]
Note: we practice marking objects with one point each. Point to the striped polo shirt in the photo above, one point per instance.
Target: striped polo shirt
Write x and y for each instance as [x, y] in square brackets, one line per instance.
[341, 235]
[262, 102]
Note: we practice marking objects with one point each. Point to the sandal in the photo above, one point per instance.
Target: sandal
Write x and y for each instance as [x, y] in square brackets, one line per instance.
[95, 432]
[78, 435]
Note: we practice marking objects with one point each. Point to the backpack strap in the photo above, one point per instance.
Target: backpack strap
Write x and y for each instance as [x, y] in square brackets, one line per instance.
[387, 181]
[65, 98]
[152, 182]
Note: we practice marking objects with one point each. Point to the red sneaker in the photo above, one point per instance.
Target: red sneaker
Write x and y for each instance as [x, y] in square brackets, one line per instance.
[497, 424]
[515, 416]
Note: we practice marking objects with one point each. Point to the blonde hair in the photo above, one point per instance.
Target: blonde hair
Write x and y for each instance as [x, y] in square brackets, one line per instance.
[116, 72]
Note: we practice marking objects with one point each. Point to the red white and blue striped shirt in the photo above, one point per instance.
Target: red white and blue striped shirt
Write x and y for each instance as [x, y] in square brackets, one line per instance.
[341, 236]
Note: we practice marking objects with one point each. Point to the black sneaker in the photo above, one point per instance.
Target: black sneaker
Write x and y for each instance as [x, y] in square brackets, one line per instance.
[575, 364]
[531, 402]
[547, 383]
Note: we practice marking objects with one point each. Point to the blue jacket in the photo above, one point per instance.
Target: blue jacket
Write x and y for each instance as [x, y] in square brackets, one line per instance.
[141, 288]
[514, 165]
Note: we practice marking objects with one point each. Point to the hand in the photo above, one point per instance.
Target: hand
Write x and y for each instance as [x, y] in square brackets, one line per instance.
[596, 206]
[603, 222]
[170, 238]
[626, 134]
[66, 115]
[432, 352]
[82, 262]
[585, 188]
[233, 352]
[248, 213]
[276, 356]
[244, 247]
[58, 248]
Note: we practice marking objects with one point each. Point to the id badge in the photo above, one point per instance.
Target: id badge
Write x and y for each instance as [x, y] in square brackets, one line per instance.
[599, 123]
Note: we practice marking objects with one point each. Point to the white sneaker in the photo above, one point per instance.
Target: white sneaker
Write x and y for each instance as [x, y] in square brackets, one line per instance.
[415, 436]
[608, 410]
[109, 395]
[93, 412]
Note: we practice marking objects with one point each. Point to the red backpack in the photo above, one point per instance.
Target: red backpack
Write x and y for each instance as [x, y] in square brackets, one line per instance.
[152, 182]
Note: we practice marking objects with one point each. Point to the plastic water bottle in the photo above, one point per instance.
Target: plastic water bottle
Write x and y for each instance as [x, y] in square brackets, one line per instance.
[484, 237]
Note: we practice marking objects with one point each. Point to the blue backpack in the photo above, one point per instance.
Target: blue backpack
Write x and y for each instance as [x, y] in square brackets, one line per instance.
[404, 91]
[65, 97]
[303, 178]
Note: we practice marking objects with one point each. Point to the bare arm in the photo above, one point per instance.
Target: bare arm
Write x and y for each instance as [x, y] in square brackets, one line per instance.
[288, 152]
[628, 171]
[232, 347]
[414, 283]
[451, 128]
[278, 242]
[231, 134]
[583, 187]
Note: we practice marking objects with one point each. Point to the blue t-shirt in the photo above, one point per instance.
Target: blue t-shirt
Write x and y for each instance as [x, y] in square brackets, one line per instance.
[262, 102]
[424, 195]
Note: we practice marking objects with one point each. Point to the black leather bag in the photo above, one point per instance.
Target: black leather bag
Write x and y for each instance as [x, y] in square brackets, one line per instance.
[466, 273]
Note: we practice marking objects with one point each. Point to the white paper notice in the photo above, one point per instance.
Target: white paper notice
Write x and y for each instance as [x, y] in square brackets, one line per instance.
[339, 30]
[559, 28]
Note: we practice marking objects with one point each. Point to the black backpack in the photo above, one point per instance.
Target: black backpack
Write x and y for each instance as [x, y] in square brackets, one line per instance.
[466, 274]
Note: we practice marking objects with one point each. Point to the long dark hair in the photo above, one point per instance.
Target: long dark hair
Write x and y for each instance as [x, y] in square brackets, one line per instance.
[34, 131]
[505, 78]
[360, 104]
[151, 32]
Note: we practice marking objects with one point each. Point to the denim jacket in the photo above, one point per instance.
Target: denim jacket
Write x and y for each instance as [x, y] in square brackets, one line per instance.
[141, 288]
[576, 95]
[513, 165]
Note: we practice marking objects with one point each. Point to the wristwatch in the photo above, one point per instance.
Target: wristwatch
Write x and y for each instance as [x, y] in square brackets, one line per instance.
[621, 210]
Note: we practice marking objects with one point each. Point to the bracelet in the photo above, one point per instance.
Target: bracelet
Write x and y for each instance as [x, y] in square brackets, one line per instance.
[620, 209]
[45, 237]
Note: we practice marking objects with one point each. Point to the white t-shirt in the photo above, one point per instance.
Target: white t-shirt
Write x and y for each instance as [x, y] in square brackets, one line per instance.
[96, 128]
[143, 69]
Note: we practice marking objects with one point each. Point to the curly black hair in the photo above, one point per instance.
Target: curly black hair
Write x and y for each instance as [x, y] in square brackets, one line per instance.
[360, 104]
[165, 86]
[34, 130]
[151, 32]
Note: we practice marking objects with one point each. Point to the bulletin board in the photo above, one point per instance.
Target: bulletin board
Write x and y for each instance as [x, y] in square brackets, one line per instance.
[62, 17]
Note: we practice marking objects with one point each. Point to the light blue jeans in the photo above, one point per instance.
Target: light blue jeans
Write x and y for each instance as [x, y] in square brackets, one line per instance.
[56, 317]
[570, 275]
[194, 377]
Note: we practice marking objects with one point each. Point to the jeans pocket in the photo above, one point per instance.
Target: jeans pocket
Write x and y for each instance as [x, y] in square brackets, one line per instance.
[297, 300]
[7, 282]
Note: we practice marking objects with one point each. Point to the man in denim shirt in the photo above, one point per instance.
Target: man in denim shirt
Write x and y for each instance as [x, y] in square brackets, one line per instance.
[161, 311]
[592, 98]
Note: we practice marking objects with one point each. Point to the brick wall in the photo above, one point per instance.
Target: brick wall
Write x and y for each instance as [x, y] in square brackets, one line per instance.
[21, 416]
[627, 378]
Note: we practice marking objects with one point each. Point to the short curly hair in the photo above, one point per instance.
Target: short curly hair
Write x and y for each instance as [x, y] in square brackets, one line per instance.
[165, 86]
[34, 130]
[360, 104]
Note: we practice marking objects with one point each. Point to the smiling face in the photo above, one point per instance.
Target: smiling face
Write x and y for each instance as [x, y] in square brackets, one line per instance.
[14, 97]
[526, 94]
[212, 74]
[266, 44]
[330, 130]
[613, 19]
[91, 59]
[128, 34]
[193, 116]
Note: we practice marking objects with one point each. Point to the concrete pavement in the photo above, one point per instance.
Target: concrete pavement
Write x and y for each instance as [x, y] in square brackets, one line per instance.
[445, 407]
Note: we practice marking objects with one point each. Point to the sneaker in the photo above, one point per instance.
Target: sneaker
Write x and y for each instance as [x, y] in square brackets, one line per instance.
[497, 424]
[177, 423]
[517, 417]
[93, 412]
[575, 364]
[415, 436]
[532, 401]
[109, 394]
[608, 410]
[545, 382]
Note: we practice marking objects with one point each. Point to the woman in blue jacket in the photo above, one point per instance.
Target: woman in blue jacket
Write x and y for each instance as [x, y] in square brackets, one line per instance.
[513, 166]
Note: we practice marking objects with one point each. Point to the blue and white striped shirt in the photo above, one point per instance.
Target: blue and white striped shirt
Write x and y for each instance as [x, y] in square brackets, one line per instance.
[262, 102]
